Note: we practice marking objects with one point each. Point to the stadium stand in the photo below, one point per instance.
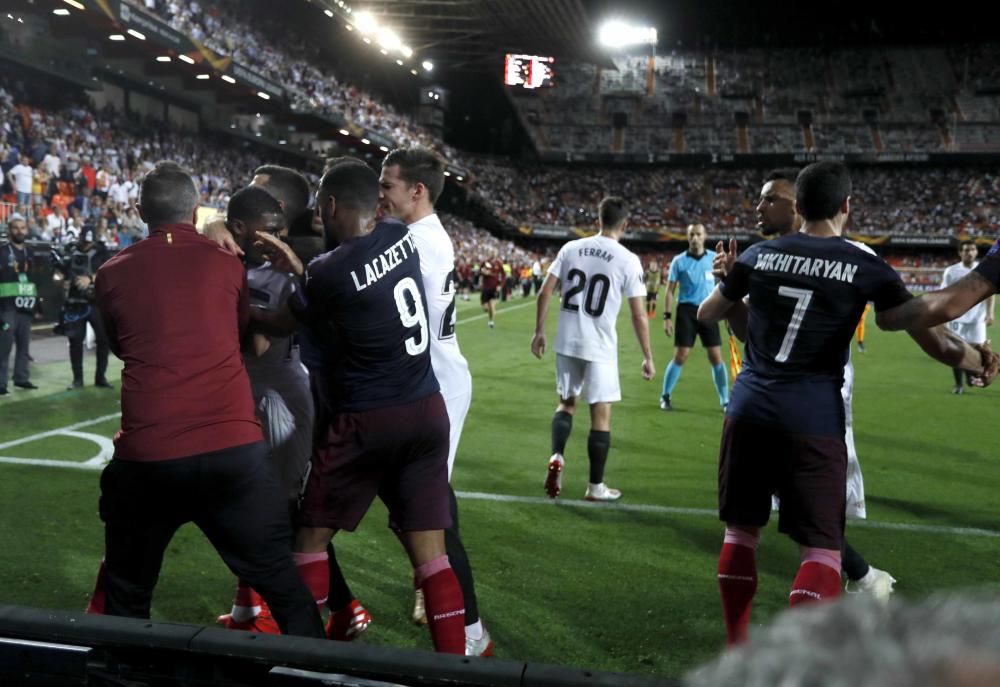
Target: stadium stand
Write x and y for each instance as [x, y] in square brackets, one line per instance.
[866, 100]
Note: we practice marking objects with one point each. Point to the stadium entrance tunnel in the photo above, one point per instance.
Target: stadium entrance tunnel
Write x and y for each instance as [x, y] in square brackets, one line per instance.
[41, 647]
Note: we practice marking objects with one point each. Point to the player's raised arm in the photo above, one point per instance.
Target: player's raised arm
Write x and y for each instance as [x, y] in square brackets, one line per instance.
[715, 307]
[640, 324]
[937, 307]
[948, 348]
[542, 312]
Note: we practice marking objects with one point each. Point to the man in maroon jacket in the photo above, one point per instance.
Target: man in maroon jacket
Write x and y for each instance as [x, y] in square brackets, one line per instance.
[190, 449]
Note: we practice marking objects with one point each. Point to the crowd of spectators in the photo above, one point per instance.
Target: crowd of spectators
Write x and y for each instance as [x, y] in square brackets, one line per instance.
[862, 100]
[74, 165]
[222, 26]
[885, 200]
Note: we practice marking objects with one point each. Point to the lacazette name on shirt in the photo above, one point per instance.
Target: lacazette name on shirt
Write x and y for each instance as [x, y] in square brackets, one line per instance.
[387, 261]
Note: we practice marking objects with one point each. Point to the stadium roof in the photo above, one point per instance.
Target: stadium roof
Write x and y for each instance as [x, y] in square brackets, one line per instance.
[473, 35]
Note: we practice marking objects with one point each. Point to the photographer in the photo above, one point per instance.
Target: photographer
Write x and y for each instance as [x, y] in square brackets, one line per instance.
[78, 268]
[17, 303]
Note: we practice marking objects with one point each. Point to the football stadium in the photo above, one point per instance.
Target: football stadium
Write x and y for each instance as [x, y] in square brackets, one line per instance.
[270, 271]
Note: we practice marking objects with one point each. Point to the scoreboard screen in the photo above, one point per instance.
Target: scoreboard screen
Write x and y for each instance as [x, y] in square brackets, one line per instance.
[528, 71]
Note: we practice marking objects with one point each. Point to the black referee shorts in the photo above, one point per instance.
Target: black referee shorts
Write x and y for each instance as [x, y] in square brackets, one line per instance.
[688, 326]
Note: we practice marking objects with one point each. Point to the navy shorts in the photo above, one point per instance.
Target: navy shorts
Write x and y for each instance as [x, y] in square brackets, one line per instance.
[807, 471]
[399, 454]
[688, 327]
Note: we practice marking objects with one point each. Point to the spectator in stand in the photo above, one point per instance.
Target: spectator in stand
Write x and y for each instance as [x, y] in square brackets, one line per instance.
[22, 176]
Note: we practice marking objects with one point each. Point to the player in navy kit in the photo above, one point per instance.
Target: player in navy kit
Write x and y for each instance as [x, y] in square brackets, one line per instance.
[387, 429]
[784, 428]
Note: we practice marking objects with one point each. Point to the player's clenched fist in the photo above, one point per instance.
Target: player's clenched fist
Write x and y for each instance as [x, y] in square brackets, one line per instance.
[991, 365]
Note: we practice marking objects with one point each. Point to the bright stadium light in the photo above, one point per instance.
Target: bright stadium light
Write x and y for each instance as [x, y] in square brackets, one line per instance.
[116, 37]
[202, 77]
[618, 34]
[427, 65]
[328, 13]
[389, 40]
[406, 50]
[185, 58]
[163, 58]
[74, 3]
[365, 22]
[61, 12]
[136, 34]
[263, 96]
[228, 79]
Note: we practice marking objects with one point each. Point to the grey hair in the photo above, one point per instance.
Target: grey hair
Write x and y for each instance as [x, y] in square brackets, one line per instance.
[945, 641]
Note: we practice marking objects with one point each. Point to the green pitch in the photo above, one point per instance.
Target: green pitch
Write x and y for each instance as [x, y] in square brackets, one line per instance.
[610, 588]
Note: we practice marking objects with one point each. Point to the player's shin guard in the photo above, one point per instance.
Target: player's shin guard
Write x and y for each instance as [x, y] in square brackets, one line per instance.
[737, 574]
[97, 599]
[598, 445]
[445, 609]
[562, 425]
[670, 377]
[721, 383]
[315, 571]
[818, 578]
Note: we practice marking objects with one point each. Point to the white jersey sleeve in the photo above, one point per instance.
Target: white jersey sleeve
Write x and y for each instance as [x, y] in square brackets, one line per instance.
[437, 266]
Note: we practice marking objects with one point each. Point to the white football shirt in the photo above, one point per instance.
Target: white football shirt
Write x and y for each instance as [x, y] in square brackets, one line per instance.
[596, 274]
[437, 265]
[954, 273]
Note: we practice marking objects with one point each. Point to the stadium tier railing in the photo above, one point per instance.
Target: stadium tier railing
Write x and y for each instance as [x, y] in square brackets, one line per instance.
[55, 647]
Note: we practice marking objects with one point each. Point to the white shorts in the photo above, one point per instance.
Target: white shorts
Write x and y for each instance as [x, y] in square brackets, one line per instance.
[597, 382]
[855, 481]
[458, 408]
[972, 332]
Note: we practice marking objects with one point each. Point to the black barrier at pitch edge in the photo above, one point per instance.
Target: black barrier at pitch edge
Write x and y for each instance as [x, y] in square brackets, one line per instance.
[164, 653]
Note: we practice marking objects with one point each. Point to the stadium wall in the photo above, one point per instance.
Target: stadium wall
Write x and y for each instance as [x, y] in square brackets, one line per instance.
[53, 647]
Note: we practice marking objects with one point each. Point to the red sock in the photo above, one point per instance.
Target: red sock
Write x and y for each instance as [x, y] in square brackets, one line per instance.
[737, 586]
[315, 571]
[815, 582]
[445, 606]
[246, 596]
[96, 605]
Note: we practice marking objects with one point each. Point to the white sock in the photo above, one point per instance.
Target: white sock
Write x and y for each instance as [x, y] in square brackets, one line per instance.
[242, 614]
[475, 630]
[869, 577]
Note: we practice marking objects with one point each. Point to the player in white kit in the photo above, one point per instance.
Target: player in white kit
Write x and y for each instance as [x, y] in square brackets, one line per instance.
[411, 181]
[595, 273]
[971, 325]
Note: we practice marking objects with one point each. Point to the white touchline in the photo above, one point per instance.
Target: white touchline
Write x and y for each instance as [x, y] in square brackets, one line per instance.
[706, 512]
[96, 464]
[482, 316]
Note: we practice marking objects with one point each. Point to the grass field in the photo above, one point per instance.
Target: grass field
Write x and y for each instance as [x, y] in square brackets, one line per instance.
[625, 588]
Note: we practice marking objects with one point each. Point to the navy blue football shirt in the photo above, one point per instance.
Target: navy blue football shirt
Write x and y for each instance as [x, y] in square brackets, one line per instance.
[365, 307]
[806, 297]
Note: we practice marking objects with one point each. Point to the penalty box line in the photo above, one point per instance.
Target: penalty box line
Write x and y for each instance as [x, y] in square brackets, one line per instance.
[510, 498]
